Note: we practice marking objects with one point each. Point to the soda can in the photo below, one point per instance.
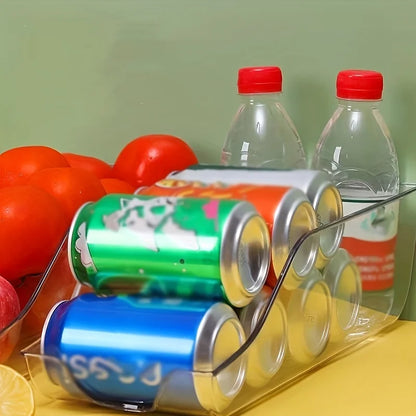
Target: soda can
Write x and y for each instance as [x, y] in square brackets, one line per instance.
[267, 350]
[288, 214]
[343, 278]
[309, 312]
[136, 353]
[317, 185]
[165, 246]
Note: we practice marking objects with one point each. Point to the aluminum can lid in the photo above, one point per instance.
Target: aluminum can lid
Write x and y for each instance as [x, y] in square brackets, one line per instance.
[219, 336]
[267, 351]
[343, 278]
[309, 314]
[245, 254]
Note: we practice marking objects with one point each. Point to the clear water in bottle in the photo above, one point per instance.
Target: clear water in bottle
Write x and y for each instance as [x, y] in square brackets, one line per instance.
[261, 133]
[356, 149]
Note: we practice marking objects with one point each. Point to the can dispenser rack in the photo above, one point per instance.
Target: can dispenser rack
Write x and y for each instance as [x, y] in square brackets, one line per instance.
[314, 330]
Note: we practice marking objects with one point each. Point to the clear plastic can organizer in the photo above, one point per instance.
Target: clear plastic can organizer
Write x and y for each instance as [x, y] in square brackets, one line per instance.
[188, 356]
[54, 285]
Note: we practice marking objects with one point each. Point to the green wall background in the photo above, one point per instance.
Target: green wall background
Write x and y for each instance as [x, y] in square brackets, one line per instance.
[89, 76]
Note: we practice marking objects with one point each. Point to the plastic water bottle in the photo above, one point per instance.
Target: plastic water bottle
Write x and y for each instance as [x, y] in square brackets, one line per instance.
[262, 133]
[356, 149]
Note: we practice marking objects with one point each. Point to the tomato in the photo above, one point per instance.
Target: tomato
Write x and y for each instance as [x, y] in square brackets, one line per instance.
[116, 186]
[72, 187]
[32, 224]
[147, 159]
[25, 287]
[58, 285]
[94, 165]
[19, 163]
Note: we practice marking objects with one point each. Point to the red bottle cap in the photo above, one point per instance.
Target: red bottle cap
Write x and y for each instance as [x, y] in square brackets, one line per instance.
[259, 79]
[358, 84]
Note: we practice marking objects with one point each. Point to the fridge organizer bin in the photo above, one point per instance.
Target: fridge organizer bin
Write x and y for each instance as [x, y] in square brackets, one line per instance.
[290, 331]
[54, 285]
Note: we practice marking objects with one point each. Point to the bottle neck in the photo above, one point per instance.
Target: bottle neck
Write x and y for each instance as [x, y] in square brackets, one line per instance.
[270, 97]
[358, 105]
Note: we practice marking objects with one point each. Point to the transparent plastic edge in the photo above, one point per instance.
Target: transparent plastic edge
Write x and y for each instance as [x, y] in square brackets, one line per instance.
[301, 354]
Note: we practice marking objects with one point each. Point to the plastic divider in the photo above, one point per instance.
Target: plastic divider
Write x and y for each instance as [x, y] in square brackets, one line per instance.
[297, 329]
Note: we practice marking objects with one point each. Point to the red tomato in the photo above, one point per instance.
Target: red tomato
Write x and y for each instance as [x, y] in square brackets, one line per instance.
[32, 224]
[58, 285]
[72, 187]
[147, 159]
[19, 163]
[116, 186]
[25, 287]
[94, 165]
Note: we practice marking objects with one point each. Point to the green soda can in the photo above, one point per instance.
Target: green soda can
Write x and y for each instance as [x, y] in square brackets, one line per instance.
[170, 246]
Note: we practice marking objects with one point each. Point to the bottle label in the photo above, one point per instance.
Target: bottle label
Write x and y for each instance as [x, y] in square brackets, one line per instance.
[371, 240]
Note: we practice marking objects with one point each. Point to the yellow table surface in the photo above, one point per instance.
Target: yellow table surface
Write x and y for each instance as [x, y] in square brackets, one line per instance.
[378, 378]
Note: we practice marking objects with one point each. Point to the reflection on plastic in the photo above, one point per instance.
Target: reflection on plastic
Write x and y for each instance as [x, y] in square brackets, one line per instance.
[343, 278]
[309, 313]
[155, 337]
[267, 352]
[322, 322]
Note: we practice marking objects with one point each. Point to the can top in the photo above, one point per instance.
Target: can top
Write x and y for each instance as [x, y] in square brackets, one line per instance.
[268, 349]
[359, 84]
[259, 80]
[309, 307]
[245, 254]
[220, 334]
[294, 218]
[51, 334]
[343, 278]
[326, 200]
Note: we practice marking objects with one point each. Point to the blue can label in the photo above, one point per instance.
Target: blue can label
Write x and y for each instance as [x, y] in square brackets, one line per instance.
[121, 348]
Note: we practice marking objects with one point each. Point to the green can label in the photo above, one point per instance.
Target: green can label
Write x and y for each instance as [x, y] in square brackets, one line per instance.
[150, 245]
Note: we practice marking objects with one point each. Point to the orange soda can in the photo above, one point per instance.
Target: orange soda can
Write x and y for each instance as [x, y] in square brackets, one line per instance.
[287, 212]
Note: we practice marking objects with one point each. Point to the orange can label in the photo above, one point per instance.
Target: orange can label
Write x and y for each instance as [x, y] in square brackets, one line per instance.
[265, 198]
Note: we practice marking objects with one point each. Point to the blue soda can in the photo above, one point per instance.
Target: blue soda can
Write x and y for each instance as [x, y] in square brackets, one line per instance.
[138, 353]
